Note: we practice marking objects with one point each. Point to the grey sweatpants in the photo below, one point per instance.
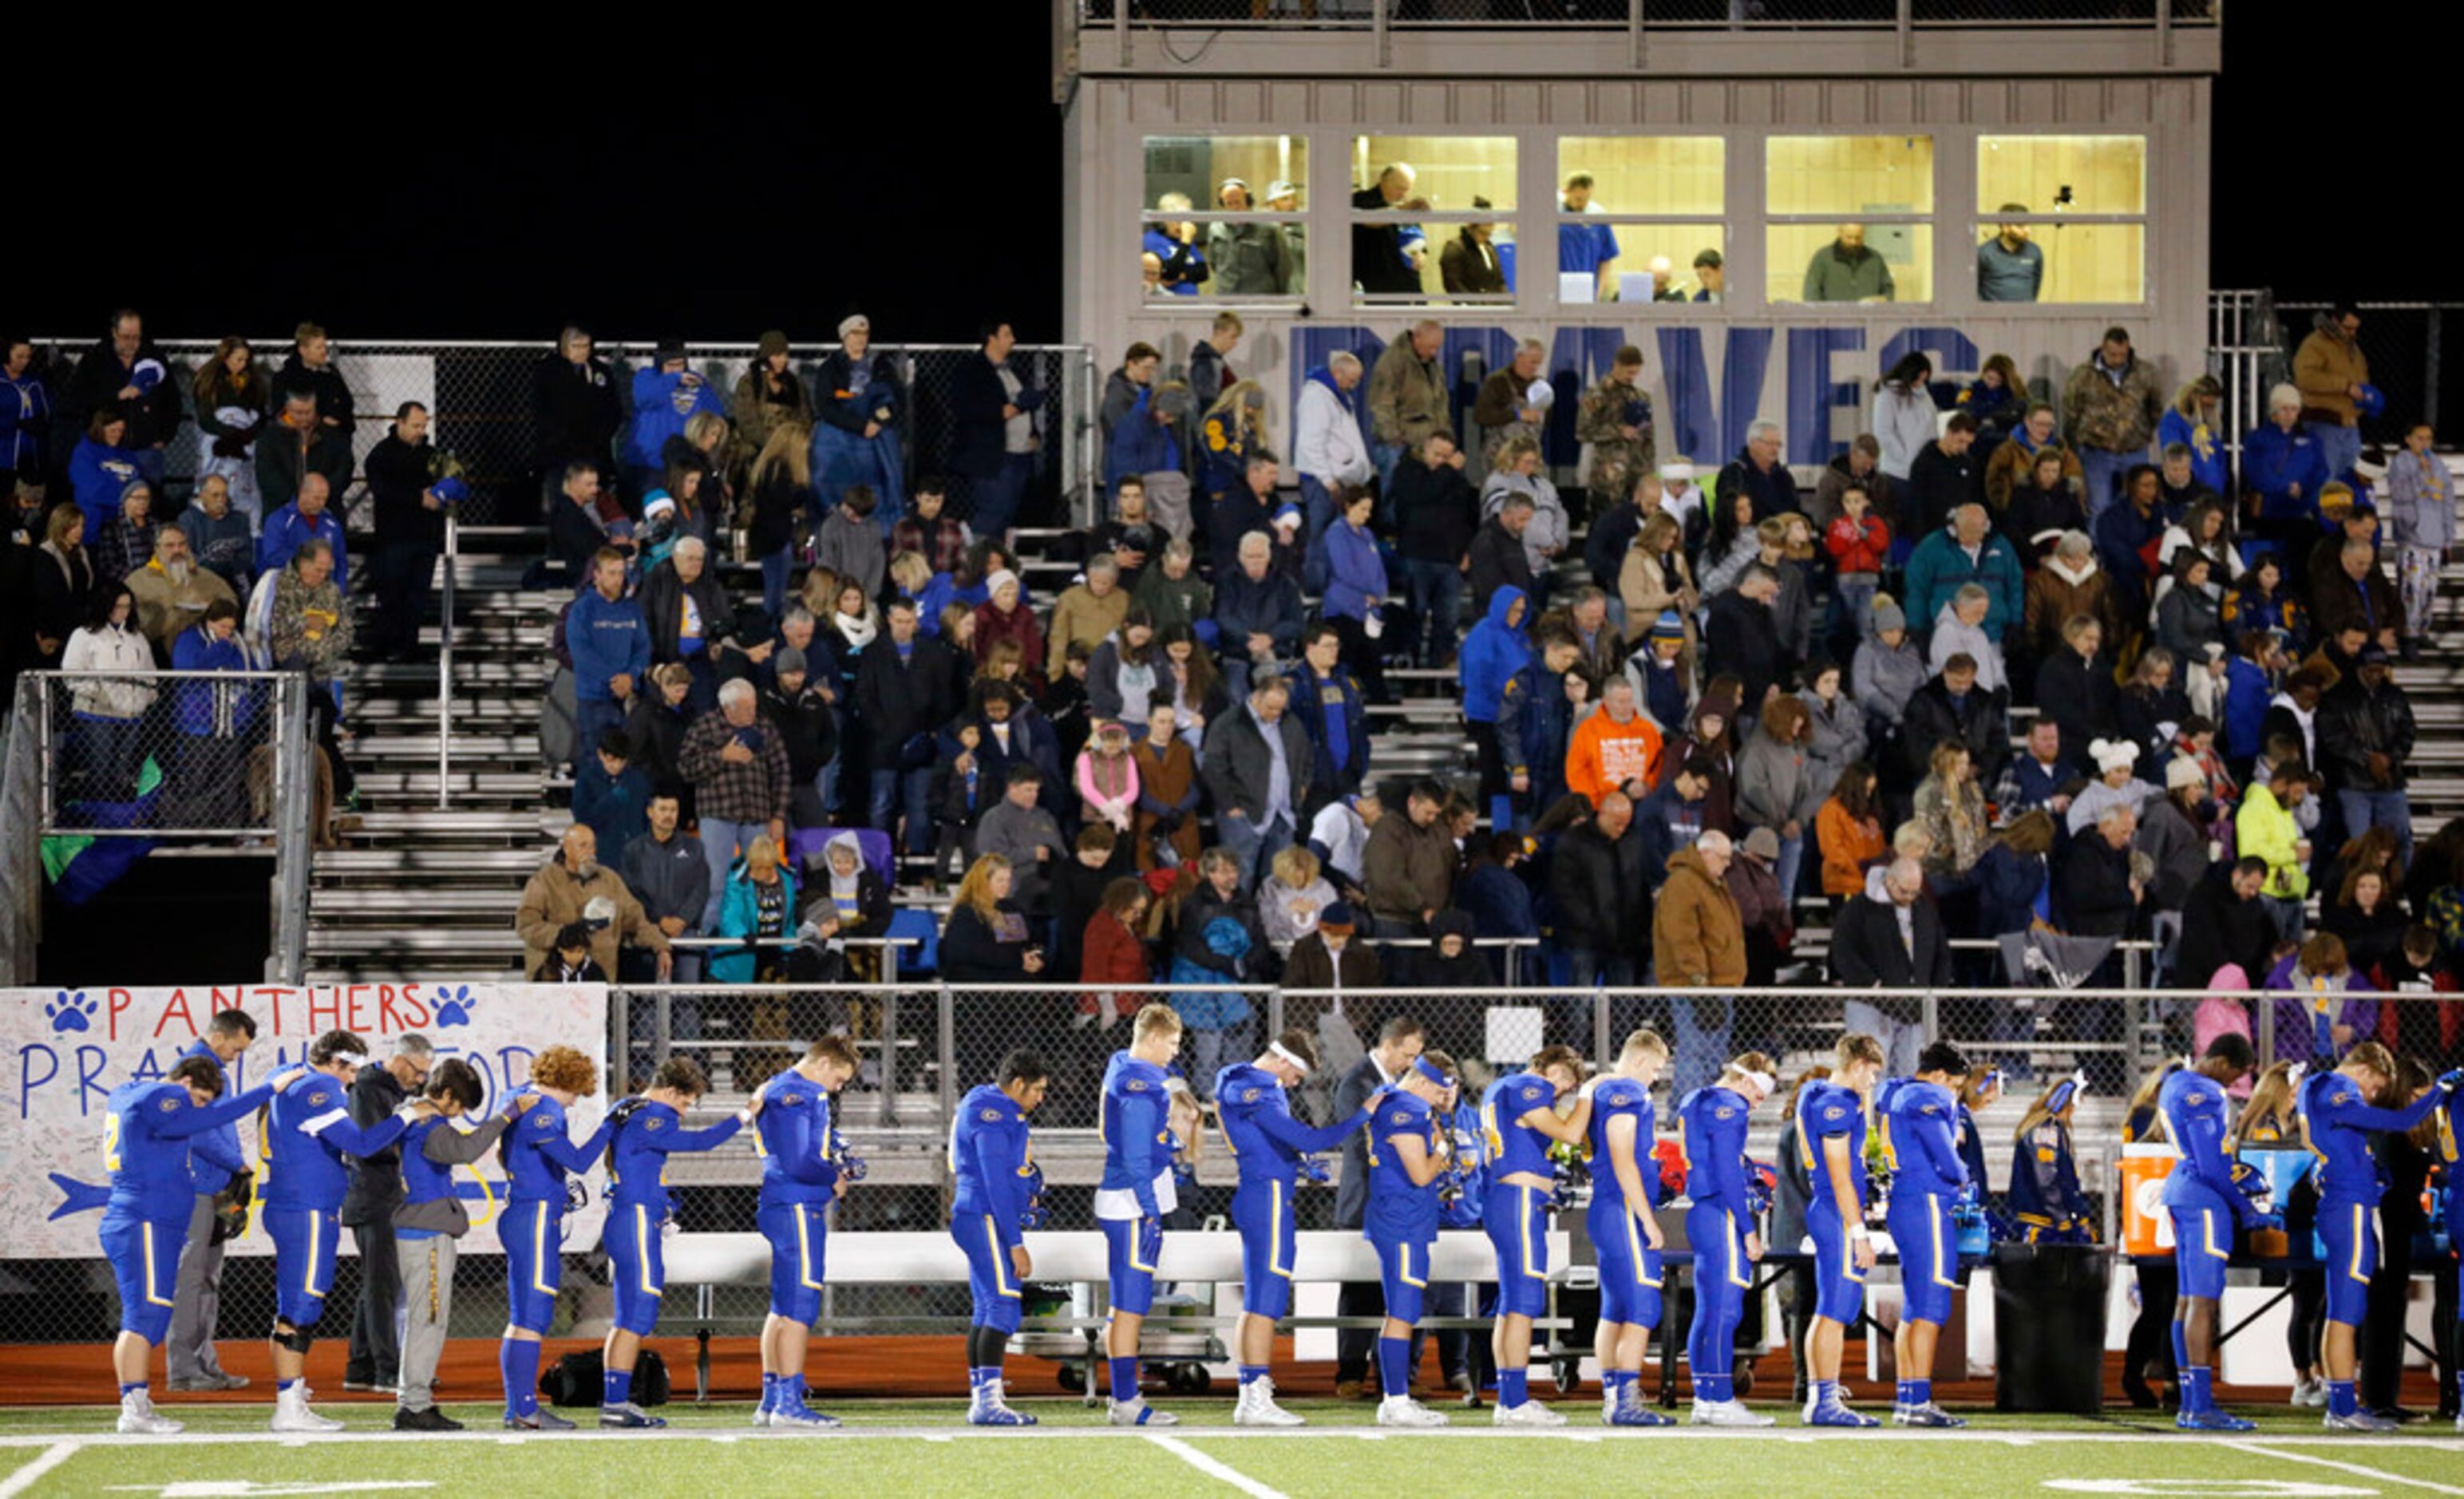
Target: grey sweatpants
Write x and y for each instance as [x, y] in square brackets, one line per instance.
[427, 1306]
[196, 1299]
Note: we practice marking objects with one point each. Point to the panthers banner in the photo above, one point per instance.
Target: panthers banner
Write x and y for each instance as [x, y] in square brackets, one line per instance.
[66, 1050]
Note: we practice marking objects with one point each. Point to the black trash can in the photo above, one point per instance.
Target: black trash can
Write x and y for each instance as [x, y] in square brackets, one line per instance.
[2049, 1305]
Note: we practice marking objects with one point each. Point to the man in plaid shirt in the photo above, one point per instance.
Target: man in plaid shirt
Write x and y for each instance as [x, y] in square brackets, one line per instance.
[738, 767]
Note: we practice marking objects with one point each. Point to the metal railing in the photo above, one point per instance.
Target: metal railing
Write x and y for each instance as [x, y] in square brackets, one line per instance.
[1740, 15]
[197, 757]
[445, 665]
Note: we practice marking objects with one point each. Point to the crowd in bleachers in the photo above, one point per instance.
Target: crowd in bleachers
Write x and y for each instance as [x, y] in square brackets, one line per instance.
[2054, 672]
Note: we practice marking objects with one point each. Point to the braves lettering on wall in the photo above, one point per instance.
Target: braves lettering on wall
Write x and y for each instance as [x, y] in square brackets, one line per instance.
[1823, 377]
[66, 1050]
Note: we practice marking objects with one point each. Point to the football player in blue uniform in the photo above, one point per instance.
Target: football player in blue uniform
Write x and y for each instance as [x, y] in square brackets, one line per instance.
[1270, 1148]
[650, 1128]
[147, 1127]
[1137, 1191]
[1831, 1147]
[2451, 1132]
[306, 1133]
[2337, 1109]
[539, 1157]
[1519, 1117]
[799, 1180]
[1408, 1148]
[1721, 1227]
[2205, 1204]
[1919, 1119]
[995, 1200]
[1625, 1233]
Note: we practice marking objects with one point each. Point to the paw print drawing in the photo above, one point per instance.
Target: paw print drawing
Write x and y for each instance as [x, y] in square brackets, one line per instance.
[453, 1007]
[71, 1012]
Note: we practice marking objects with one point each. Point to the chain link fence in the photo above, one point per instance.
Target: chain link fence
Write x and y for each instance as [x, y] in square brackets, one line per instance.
[481, 397]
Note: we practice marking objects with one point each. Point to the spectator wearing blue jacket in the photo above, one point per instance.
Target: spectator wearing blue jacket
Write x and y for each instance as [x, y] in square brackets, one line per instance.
[1967, 550]
[1493, 651]
[2123, 534]
[2284, 466]
[1257, 613]
[1356, 586]
[100, 468]
[759, 902]
[612, 796]
[2249, 688]
[1333, 709]
[306, 520]
[2193, 421]
[860, 409]
[608, 638]
[25, 412]
[216, 722]
[1535, 722]
[665, 395]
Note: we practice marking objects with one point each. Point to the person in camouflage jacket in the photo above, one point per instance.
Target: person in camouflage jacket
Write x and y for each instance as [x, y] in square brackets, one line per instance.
[1615, 417]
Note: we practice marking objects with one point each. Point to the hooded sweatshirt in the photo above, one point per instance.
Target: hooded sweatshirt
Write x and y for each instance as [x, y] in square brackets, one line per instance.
[1492, 652]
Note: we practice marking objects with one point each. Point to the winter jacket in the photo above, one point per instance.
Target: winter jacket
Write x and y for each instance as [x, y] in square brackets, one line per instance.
[2325, 367]
[1941, 567]
[1246, 605]
[1777, 784]
[1535, 728]
[2178, 848]
[1492, 652]
[1408, 400]
[1238, 766]
[1598, 899]
[2370, 603]
[899, 700]
[97, 380]
[286, 455]
[1940, 482]
[2008, 886]
[166, 610]
[663, 596]
[1744, 636]
[807, 727]
[98, 474]
[2208, 466]
[2275, 462]
[111, 648]
[1858, 546]
[1904, 422]
[1836, 735]
[1605, 755]
[2031, 512]
[1835, 275]
[575, 412]
[1847, 847]
[557, 896]
[2059, 592]
[1773, 490]
[2264, 829]
[2111, 412]
[2354, 722]
[1078, 615]
[1318, 699]
[1134, 441]
[1884, 490]
[1884, 680]
[25, 423]
[288, 529]
[1356, 581]
[1407, 868]
[1437, 511]
[2096, 888]
[2079, 695]
[1866, 952]
[1952, 638]
[1548, 529]
[1981, 722]
[311, 629]
[2012, 467]
[616, 807]
[1497, 561]
[230, 709]
[1698, 935]
[1328, 445]
[2187, 621]
[662, 404]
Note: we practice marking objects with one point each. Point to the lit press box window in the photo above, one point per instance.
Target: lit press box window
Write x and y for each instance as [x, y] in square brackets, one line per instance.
[1850, 218]
[1429, 217]
[1636, 215]
[1206, 232]
[2065, 218]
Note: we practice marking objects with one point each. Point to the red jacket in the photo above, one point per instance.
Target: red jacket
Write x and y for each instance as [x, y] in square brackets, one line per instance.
[1112, 954]
[1855, 546]
[992, 626]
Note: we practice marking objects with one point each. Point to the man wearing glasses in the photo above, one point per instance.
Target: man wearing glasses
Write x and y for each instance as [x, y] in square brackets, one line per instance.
[368, 1211]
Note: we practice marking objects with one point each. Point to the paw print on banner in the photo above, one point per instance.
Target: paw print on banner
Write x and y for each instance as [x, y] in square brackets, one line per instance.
[453, 1007]
[71, 1012]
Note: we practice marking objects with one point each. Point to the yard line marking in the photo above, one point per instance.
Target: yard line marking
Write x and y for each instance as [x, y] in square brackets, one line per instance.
[1219, 1471]
[52, 1457]
[2356, 1470]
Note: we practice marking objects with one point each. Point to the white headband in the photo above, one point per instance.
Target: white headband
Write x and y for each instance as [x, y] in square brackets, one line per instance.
[349, 1058]
[2293, 1078]
[1278, 1049]
[1762, 1080]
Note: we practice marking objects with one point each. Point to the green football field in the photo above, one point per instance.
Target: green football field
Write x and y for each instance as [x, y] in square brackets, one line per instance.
[913, 1447]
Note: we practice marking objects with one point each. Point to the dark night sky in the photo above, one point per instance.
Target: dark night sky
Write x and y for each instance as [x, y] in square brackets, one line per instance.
[442, 192]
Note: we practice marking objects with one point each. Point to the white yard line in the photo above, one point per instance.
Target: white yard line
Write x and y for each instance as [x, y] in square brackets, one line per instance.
[50, 1457]
[2355, 1469]
[1220, 1473]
